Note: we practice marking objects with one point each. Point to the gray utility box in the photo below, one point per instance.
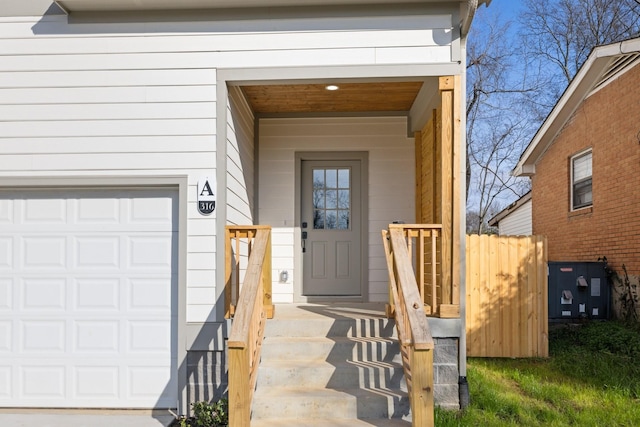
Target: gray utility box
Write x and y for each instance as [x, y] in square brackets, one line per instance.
[577, 291]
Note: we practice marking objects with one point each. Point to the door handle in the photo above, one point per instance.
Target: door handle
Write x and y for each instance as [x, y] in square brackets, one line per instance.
[304, 241]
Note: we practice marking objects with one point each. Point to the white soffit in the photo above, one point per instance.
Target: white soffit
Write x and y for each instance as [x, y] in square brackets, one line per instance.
[134, 5]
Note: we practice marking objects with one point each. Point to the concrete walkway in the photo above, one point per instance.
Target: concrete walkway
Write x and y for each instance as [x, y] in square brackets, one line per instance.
[103, 418]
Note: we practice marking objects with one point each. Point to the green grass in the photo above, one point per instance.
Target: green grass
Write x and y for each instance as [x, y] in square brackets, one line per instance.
[592, 378]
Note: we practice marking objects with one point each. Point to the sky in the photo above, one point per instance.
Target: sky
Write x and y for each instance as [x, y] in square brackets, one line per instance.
[509, 8]
[499, 11]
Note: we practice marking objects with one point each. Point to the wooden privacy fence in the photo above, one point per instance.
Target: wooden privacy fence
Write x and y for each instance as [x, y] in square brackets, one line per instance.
[506, 299]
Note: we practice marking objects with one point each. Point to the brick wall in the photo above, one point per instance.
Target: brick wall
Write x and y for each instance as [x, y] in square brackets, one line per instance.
[608, 122]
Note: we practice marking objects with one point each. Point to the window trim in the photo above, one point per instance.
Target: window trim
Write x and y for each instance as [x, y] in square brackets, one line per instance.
[572, 183]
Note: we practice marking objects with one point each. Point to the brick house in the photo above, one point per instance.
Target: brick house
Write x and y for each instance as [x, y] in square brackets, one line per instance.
[584, 163]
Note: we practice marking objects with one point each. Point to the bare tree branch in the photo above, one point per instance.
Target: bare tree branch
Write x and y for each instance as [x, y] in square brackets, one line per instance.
[513, 80]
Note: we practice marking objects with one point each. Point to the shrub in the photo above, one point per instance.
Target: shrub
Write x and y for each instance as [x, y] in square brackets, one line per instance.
[615, 338]
[205, 414]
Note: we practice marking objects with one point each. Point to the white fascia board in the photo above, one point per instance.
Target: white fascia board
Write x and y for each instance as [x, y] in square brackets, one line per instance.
[524, 170]
[630, 46]
[139, 5]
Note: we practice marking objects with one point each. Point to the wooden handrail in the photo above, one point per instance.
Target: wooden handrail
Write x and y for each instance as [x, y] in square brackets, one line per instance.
[425, 253]
[239, 241]
[247, 330]
[414, 334]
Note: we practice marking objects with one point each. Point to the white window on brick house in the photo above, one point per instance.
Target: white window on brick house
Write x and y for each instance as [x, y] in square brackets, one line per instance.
[581, 194]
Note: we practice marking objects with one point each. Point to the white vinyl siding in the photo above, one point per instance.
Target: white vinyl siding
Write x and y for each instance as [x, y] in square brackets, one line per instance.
[66, 50]
[227, 43]
[240, 160]
[139, 99]
[120, 123]
[390, 186]
[518, 222]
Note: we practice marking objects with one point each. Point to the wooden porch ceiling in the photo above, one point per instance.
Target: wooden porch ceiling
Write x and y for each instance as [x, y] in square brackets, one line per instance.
[349, 98]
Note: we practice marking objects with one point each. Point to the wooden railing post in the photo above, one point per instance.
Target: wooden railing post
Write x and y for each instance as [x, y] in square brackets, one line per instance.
[239, 396]
[390, 307]
[267, 283]
[228, 273]
[421, 398]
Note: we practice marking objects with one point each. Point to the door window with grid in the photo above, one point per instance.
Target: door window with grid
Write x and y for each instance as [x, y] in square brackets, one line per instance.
[331, 199]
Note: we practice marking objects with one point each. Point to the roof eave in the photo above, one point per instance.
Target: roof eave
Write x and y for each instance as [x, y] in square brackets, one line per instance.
[493, 222]
[72, 6]
[579, 88]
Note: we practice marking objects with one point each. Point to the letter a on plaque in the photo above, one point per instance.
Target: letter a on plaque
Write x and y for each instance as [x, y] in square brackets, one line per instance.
[206, 195]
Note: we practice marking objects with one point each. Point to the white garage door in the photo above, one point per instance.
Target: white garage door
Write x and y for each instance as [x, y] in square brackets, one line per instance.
[88, 298]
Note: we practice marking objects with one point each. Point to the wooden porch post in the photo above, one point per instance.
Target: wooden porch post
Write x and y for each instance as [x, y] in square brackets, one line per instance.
[418, 172]
[450, 138]
[427, 153]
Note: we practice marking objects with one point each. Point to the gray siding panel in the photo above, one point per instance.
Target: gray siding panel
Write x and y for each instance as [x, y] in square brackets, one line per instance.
[519, 222]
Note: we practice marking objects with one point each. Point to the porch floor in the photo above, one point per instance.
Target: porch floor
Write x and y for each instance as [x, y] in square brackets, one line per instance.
[337, 310]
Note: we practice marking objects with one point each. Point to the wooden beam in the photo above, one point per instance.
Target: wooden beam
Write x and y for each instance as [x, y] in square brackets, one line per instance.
[418, 172]
[449, 311]
[446, 140]
[228, 268]
[428, 172]
[456, 203]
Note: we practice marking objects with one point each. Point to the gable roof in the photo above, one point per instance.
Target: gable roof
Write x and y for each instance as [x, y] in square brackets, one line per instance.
[603, 64]
[493, 222]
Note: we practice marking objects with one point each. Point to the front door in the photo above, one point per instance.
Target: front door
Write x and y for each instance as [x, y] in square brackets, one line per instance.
[331, 228]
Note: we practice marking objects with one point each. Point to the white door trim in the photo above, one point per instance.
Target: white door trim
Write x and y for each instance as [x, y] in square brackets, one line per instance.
[363, 157]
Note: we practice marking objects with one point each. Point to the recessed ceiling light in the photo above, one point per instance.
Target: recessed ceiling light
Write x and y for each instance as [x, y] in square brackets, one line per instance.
[332, 87]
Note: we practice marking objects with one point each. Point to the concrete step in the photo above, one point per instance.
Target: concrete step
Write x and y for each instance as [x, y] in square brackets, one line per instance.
[331, 422]
[334, 375]
[330, 348]
[330, 365]
[328, 327]
[302, 402]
